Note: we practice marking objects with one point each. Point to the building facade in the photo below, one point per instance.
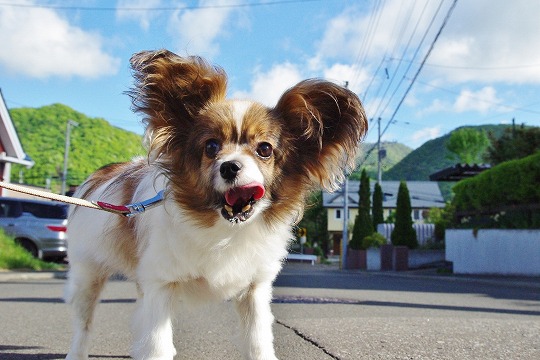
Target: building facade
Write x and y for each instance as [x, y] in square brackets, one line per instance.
[424, 195]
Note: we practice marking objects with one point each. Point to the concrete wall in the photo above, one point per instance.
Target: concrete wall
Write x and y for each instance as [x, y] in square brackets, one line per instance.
[421, 258]
[493, 251]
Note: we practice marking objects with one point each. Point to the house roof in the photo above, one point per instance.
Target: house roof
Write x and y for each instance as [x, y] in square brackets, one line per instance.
[458, 172]
[423, 194]
[10, 145]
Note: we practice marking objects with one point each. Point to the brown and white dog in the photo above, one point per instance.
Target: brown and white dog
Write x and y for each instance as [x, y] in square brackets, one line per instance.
[235, 175]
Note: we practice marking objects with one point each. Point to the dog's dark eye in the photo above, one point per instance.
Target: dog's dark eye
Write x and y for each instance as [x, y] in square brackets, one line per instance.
[264, 150]
[212, 148]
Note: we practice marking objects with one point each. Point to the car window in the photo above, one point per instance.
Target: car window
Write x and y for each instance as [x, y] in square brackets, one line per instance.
[9, 209]
[45, 211]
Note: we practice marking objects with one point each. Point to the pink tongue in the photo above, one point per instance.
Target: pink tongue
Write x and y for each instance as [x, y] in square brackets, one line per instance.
[245, 193]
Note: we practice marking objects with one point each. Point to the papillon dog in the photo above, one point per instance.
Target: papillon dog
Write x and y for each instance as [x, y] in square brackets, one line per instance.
[235, 176]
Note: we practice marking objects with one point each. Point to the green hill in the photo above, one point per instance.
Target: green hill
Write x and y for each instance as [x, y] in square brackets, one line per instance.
[94, 143]
[395, 152]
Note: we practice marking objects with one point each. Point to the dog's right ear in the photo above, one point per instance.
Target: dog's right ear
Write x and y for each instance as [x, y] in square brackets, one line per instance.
[171, 90]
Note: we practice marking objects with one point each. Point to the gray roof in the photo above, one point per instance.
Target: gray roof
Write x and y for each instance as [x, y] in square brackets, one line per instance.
[424, 195]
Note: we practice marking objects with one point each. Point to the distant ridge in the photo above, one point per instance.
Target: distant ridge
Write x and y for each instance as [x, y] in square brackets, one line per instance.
[94, 143]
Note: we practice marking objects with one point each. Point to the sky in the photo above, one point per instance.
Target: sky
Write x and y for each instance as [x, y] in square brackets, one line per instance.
[422, 67]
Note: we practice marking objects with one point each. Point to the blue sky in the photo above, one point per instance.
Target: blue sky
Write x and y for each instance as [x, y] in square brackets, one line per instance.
[483, 69]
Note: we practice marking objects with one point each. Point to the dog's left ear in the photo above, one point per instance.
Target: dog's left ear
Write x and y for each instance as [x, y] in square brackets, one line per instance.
[324, 124]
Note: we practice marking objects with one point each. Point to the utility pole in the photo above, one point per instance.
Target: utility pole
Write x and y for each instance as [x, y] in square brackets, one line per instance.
[70, 123]
[345, 233]
[379, 170]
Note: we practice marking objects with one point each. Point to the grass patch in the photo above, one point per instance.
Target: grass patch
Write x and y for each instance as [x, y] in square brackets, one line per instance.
[15, 257]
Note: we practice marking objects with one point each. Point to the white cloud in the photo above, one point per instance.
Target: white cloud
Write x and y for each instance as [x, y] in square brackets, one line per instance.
[267, 87]
[482, 100]
[490, 41]
[197, 30]
[423, 135]
[144, 17]
[357, 34]
[485, 40]
[341, 73]
[38, 42]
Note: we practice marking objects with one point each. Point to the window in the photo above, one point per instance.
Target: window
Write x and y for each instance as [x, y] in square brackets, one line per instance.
[338, 213]
[9, 209]
[45, 211]
[416, 214]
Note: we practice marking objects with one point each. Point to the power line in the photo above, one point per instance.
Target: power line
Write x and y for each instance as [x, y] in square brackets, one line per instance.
[488, 68]
[515, 108]
[404, 52]
[414, 55]
[166, 8]
[443, 25]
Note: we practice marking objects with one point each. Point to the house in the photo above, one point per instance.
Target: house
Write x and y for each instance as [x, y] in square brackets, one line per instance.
[424, 196]
[11, 151]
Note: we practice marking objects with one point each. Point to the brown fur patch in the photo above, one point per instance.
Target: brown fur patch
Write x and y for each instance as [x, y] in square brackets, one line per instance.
[125, 178]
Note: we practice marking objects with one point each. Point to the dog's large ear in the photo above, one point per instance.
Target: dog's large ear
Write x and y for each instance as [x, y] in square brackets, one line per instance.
[170, 90]
[324, 123]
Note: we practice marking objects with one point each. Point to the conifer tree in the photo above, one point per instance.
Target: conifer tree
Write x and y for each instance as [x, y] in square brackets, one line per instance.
[404, 233]
[363, 225]
[377, 210]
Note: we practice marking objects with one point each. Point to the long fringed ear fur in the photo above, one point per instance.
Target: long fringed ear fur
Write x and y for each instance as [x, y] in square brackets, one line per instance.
[324, 123]
[170, 91]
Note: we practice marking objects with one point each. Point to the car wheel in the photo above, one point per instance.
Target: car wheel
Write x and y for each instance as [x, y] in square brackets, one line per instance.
[29, 246]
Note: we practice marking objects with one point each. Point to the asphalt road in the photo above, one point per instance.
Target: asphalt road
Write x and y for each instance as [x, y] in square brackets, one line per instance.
[320, 314]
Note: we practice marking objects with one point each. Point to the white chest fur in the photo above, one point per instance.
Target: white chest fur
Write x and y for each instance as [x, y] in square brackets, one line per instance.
[216, 262]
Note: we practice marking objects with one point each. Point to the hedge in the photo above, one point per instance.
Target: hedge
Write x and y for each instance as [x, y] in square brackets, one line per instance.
[506, 196]
[514, 182]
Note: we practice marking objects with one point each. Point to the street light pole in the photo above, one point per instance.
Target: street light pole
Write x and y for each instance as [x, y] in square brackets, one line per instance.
[70, 123]
[345, 234]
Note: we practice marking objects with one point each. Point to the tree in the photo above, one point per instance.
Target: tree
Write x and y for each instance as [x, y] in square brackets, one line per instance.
[315, 220]
[515, 143]
[377, 211]
[404, 233]
[468, 144]
[362, 224]
[364, 191]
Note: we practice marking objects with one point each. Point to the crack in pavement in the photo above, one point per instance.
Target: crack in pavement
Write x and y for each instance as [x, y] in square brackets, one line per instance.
[308, 339]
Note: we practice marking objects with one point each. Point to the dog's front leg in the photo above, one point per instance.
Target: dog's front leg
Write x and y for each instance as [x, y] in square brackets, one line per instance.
[256, 321]
[152, 324]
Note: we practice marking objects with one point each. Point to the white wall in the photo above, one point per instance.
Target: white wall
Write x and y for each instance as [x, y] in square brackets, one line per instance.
[493, 251]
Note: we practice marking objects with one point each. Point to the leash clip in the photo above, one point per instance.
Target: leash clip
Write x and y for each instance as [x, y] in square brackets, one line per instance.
[131, 210]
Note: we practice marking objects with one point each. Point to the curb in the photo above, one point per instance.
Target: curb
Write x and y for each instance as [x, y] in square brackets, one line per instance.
[31, 275]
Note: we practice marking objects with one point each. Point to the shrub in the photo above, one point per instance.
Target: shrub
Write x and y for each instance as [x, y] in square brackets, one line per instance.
[374, 240]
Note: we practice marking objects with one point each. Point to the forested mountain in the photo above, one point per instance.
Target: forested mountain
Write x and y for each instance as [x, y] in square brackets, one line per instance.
[94, 143]
[395, 152]
[432, 157]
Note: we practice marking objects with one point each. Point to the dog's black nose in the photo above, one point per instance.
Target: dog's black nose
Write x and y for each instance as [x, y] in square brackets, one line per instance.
[230, 169]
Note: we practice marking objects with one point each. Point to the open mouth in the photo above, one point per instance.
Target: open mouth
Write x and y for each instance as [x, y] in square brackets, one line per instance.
[239, 201]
